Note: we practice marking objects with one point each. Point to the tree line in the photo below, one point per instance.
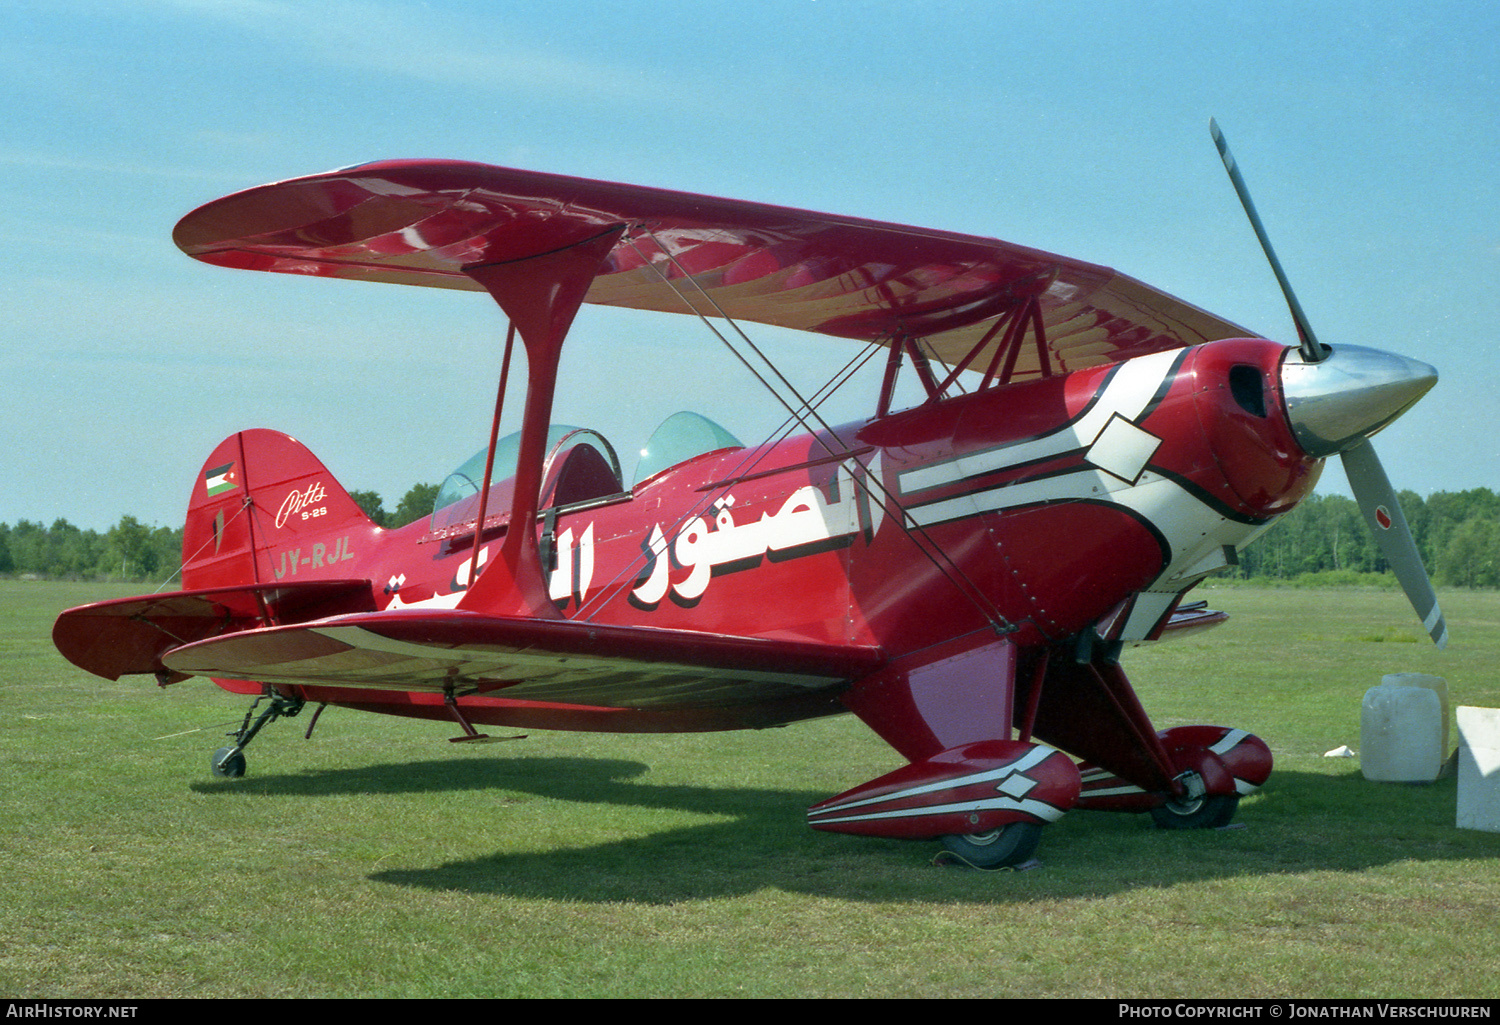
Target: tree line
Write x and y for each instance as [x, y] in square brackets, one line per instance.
[130, 550]
[1458, 534]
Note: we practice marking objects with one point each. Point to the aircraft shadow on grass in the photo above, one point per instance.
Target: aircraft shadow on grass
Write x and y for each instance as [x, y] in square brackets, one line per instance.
[1302, 822]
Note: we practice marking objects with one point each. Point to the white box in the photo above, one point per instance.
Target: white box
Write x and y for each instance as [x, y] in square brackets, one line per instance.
[1479, 768]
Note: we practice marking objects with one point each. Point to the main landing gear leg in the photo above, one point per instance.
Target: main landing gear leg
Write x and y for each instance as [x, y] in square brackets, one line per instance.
[229, 762]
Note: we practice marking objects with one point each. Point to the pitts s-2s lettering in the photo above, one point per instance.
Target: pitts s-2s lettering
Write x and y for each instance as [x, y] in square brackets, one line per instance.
[961, 574]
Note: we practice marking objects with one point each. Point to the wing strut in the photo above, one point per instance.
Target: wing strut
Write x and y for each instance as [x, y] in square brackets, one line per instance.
[489, 459]
[541, 296]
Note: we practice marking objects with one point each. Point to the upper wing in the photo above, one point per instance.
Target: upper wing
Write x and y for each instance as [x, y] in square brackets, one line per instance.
[579, 662]
[423, 222]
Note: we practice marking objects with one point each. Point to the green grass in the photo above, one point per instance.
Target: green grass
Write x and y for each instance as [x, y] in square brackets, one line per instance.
[377, 859]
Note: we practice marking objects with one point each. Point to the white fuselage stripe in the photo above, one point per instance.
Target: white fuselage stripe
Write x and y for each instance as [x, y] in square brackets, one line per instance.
[1129, 391]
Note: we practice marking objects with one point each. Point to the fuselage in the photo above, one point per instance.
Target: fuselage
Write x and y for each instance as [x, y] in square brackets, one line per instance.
[1033, 510]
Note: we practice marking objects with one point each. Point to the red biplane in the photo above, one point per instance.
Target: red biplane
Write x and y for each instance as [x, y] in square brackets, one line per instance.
[961, 574]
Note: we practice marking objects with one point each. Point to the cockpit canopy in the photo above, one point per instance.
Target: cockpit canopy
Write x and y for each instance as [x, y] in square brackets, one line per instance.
[580, 466]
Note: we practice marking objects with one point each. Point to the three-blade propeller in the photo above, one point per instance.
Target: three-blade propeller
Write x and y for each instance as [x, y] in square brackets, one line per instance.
[1336, 399]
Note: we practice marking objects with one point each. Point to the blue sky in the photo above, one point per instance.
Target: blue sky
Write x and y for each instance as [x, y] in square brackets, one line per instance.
[1367, 132]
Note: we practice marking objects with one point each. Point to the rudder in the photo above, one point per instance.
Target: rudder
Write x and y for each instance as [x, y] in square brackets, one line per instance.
[265, 510]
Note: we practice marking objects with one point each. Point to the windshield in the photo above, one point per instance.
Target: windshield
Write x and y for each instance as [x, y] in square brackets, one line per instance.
[599, 473]
[680, 437]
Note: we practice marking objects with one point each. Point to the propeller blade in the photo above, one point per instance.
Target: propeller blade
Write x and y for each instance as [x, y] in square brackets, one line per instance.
[1336, 406]
[1372, 489]
[1312, 351]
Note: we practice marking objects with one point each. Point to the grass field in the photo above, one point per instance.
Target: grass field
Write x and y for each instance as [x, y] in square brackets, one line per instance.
[375, 859]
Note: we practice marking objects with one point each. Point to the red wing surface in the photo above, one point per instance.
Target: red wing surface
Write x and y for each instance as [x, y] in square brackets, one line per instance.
[553, 660]
[423, 222]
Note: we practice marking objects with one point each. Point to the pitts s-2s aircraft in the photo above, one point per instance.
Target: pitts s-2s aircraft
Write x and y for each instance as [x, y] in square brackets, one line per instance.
[961, 574]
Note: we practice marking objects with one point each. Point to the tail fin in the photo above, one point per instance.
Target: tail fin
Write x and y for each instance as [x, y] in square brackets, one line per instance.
[264, 510]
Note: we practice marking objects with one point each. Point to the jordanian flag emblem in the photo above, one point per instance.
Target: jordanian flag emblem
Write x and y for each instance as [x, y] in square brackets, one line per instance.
[220, 479]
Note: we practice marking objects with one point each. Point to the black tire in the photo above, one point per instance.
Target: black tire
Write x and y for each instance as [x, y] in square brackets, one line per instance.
[1010, 845]
[1203, 813]
[232, 767]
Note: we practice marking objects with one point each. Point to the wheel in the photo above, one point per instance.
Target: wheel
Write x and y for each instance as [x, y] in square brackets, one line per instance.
[232, 767]
[1199, 813]
[1013, 844]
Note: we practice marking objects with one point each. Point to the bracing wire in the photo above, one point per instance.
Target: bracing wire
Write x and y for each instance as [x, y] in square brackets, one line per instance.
[752, 458]
[805, 411]
[244, 508]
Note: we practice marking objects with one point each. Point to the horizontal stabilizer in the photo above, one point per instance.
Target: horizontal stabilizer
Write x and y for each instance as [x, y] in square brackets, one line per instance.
[129, 635]
[552, 659]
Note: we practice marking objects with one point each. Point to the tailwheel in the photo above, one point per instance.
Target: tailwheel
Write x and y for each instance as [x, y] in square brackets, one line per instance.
[1206, 812]
[1006, 847]
[228, 763]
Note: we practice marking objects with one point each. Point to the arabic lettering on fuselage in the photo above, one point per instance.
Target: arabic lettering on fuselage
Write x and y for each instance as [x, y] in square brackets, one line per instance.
[808, 521]
[805, 523]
